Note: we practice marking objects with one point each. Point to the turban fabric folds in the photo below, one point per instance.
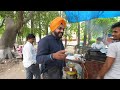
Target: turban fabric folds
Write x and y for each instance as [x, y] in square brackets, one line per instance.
[56, 23]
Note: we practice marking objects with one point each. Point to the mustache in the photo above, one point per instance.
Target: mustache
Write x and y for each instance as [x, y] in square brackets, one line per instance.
[61, 33]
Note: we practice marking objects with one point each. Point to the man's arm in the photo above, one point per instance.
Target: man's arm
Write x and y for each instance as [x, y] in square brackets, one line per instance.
[107, 65]
[93, 46]
[111, 55]
[43, 52]
[44, 56]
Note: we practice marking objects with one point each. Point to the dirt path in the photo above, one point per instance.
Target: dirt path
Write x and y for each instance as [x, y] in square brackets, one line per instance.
[13, 69]
[13, 72]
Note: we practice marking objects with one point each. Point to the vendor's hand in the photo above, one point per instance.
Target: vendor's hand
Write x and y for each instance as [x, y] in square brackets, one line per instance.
[77, 58]
[66, 60]
[60, 55]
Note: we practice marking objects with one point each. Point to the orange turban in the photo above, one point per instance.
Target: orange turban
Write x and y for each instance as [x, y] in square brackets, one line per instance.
[56, 23]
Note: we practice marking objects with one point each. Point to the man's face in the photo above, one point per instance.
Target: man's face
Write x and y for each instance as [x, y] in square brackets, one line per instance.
[98, 42]
[59, 31]
[32, 40]
[116, 33]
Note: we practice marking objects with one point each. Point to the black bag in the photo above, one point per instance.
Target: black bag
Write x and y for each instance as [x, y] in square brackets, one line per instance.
[95, 54]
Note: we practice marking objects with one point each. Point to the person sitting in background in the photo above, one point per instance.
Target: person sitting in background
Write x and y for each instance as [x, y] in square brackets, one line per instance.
[109, 41]
[99, 45]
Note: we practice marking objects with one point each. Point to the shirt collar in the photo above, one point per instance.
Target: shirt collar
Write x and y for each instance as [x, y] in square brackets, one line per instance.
[29, 43]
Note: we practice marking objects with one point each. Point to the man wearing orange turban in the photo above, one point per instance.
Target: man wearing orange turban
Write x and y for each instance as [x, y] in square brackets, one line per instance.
[57, 27]
[56, 22]
[51, 54]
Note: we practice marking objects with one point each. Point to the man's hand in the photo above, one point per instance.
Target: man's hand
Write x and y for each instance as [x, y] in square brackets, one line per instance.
[60, 55]
[77, 58]
[66, 60]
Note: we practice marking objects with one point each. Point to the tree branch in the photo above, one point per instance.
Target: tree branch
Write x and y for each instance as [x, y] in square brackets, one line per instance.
[2, 23]
[21, 20]
[30, 16]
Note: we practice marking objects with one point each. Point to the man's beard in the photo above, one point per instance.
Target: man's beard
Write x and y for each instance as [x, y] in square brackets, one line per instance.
[116, 39]
[58, 34]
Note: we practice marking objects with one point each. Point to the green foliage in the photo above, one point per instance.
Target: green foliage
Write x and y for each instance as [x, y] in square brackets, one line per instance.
[101, 26]
[7, 14]
[72, 29]
[25, 31]
[42, 19]
[92, 41]
[110, 31]
[2, 29]
[104, 21]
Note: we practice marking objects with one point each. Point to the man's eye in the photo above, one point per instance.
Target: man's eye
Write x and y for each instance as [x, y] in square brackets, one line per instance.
[115, 31]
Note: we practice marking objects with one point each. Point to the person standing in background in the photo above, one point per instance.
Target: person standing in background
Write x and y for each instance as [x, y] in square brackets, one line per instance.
[29, 59]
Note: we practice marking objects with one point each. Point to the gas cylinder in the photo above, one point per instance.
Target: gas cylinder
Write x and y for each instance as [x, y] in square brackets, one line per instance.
[71, 73]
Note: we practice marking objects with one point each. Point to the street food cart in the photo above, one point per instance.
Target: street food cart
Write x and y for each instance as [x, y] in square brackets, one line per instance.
[94, 62]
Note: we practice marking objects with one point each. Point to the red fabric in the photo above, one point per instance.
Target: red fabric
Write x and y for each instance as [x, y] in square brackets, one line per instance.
[93, 67]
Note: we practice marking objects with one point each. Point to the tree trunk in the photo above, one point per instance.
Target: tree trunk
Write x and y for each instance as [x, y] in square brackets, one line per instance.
[78, 42]
[19, 40]
[8, 38]
[65, 42]
[46, 29]
[65, 37]
[85, 34]
[39, 27]
[89, 32]
[39, 32]
[32, 26]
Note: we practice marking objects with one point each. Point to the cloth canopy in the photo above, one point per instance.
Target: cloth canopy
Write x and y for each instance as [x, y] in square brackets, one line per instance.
[78, 16]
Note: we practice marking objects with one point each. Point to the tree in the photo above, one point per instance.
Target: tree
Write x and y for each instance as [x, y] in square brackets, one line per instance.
[11, 30]
[103, 25]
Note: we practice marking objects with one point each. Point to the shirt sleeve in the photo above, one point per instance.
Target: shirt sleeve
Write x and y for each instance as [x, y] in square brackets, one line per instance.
[93, 45]
[103, 46]
[111, 51]
[43, 55]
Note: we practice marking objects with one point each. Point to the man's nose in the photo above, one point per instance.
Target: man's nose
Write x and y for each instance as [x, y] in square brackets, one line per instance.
[113, 34]
[62, 30]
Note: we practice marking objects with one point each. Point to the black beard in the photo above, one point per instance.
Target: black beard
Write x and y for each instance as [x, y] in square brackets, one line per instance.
[57, 35]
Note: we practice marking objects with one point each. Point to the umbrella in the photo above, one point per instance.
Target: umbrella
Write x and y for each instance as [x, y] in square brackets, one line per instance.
[78, 16]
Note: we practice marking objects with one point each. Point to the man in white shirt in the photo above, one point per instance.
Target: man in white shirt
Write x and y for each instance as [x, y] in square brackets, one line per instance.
[98, 44]
[111, 67]
[29, 59]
